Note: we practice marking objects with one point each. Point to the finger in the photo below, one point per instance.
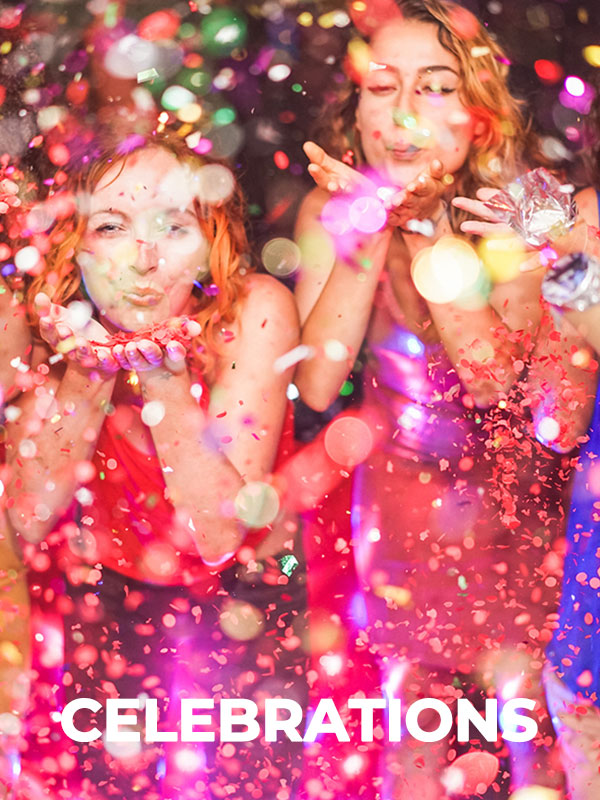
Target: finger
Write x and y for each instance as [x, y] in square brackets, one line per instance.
[486, 228]
[64, 331]
[135, 357]
[322, 178]
[106, 360]
[66, 344]
[175, 358]
[422, 186]
[395, 201]
[486, 193]
[85, 356]
[475, 207]
[436, 169]
[42, 305]
[316, 154]
[332, 168]
[150, 351]
[191, 327]
[175, 351]
[118, 352]
[48, 332]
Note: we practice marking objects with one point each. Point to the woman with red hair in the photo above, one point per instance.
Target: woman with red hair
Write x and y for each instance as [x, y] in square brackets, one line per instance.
[161, 412]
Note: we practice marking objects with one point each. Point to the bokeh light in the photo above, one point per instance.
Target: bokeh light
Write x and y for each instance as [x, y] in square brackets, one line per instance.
[502, 256]
[281, 257]
[257, 504]
[446, 271]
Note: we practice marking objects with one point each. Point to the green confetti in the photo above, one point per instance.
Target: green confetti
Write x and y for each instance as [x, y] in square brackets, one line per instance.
[288, 564]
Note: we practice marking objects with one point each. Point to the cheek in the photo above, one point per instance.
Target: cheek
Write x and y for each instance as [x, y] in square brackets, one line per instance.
[371, 118]
[371, 123]
[454, 140]
[107, 260]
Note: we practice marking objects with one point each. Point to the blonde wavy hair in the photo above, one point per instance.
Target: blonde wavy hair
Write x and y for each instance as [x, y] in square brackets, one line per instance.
[222, 224]
[498, 153]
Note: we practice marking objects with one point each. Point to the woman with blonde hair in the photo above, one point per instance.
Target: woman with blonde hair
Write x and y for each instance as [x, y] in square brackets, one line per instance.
[143, 459]
[454, 517]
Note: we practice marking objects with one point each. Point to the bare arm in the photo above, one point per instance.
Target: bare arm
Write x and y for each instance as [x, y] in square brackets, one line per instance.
[334, 297]
[560, 373]
[15, 340]
[588, 322]
[57, 430]
[211, 456]
[59, 421]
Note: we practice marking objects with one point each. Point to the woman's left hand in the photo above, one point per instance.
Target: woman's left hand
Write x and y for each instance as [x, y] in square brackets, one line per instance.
[488, 223]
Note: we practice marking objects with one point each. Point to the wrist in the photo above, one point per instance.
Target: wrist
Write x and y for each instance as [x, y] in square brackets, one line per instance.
[155, 381]
[574, 241]
[427, 226]
[95, 379]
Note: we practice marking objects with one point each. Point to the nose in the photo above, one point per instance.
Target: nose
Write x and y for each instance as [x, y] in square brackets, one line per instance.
[404, 111]
[147, 258]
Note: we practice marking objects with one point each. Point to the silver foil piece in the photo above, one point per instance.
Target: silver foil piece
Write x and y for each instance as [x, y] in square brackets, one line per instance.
[536, 206]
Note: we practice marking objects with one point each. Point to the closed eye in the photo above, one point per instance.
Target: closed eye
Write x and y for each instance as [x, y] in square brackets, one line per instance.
[435, 89]
[381, 89]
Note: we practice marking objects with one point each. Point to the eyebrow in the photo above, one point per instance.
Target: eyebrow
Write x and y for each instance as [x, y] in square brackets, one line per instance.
[374, 66]
[115, 212]
[111, 212]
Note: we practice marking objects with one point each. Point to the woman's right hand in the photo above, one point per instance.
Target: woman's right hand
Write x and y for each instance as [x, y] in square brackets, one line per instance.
[59, 330]
[332, 175]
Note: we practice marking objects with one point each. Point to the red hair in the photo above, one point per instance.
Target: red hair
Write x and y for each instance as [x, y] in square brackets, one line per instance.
[222, 224]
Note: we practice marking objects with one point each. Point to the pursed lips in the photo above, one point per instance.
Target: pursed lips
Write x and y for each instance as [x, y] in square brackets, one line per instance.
[143, 296]
[404, 152]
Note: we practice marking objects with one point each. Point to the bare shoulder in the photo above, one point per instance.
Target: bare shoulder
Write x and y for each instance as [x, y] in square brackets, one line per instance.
[310, 208]
[269, 307]
[587, 203]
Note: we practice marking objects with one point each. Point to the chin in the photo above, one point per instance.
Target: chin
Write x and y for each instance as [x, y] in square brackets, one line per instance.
[401, 174]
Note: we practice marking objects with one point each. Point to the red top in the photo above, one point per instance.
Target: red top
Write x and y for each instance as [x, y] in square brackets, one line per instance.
[129, 526]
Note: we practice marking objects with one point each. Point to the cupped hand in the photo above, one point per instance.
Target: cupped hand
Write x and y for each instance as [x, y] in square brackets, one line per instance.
[143, 355]
[59, 329]
[422, 198]
[162, 346]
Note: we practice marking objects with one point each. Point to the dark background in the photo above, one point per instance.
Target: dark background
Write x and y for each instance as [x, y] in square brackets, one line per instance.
[274, 117]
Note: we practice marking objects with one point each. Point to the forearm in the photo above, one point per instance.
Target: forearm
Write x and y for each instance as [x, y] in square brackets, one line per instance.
[14, 339]
[45, 447]
[415, 242]
[486, 355]
[201, 482]
[341, 314]
[561, 385]
[588, 324]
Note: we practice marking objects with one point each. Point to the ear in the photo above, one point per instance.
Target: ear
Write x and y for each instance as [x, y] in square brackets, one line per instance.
[485, 127]
[479, 129]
